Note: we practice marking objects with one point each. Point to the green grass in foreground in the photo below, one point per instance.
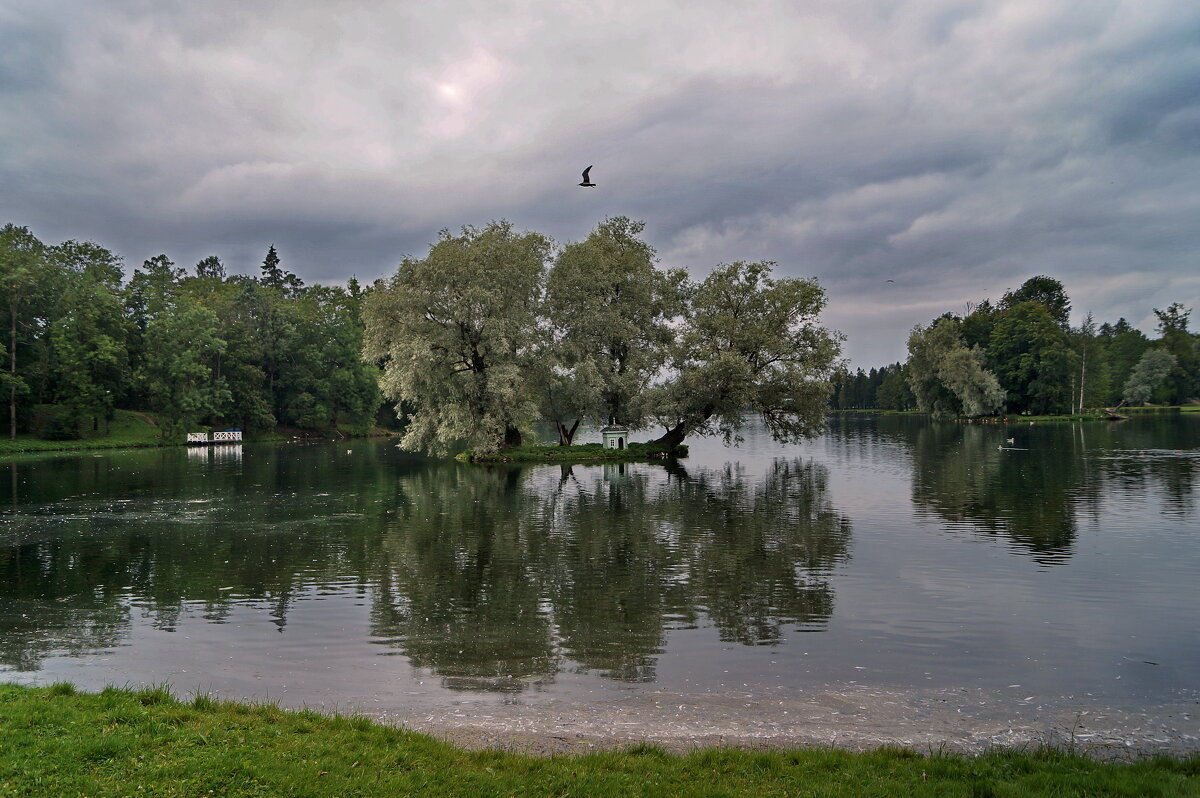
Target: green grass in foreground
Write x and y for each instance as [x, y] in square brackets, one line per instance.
[55, 741]
[579, 453]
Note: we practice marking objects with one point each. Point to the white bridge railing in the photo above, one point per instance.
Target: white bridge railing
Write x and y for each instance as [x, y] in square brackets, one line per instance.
[231, 436]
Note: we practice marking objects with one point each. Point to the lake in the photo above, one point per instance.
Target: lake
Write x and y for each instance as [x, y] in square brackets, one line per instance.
[895, 580]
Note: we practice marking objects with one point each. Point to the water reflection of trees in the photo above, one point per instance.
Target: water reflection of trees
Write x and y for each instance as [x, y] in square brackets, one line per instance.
[961, 475]
[1153, 452]
[490, 578]
[493, 576]
[1035, 496]
[87, 543]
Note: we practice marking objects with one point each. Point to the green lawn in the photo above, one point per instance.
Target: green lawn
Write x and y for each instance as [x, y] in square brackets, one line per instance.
[131, 429]
[55, 741]
[127, 429]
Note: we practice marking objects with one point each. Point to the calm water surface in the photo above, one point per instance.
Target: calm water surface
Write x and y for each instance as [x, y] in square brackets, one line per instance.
[892, 553]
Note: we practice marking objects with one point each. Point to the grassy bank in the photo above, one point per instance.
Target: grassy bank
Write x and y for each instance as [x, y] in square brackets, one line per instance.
[132, 429]
[126, 430]
[541, 453]
[55, 741]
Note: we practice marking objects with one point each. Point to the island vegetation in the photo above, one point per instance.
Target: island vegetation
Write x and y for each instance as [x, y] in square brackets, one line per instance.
[1022, 357]
[492, 330]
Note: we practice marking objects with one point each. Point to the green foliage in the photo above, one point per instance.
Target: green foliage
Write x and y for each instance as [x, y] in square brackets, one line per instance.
[181, 350]
[1154, 367]
[946, 377]
[1031, 355]
[89, 360]
[749, 343]
[1121, 348]
[27, 287]
[217, 349]
[1043, 366]
[885, 388]
[1044, 291]
[1183, 381]
[610, 311]
[455, 333]
[1093, 375]
[56, 423]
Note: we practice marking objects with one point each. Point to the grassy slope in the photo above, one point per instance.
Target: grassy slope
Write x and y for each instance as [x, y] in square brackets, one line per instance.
[127, 429]
[130, 429]
[54, 741]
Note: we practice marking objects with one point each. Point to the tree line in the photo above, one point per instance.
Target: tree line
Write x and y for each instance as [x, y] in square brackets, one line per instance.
[1021, 355]
[496, 328]
[199, 348]
[493, 330]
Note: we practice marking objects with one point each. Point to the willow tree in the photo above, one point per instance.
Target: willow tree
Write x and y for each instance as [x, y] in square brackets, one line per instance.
[1149, 373]
[611, 309]
[455, 333]
[946, 376]
[750, 344]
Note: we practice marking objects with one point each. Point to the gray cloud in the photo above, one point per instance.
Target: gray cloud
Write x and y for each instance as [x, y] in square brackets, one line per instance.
[957, 148]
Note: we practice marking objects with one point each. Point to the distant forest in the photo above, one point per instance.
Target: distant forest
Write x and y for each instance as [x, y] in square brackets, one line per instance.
[1022, 356]
[198, 347]
[469, 352]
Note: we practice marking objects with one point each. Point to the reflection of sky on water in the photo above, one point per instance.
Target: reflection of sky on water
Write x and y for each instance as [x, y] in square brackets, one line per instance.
[890, 552]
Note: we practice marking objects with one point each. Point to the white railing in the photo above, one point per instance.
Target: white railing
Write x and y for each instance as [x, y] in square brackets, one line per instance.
[197, 437]
[227, 437]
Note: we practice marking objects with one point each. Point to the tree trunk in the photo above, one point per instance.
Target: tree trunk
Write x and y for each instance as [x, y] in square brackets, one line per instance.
[565, 435]
[12, 392]
[673, 436]
[1082, 378]
[512, 438]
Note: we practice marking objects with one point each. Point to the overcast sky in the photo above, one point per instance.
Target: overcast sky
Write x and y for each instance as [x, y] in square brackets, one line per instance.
[957, 148]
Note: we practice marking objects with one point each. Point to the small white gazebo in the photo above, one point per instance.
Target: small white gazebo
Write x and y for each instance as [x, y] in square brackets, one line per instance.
[615, 437]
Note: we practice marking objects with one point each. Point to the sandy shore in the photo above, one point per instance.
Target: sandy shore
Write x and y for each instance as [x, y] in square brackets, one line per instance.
[961, 720]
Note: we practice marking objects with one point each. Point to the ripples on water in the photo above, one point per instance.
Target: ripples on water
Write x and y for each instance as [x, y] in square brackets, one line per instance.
[891, 552]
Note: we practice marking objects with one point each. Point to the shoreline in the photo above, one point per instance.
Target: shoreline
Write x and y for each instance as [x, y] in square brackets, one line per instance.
[966, 721]
[7, 448]
[1003, 421]
[963, 721]
[123, 741]
[578, 453]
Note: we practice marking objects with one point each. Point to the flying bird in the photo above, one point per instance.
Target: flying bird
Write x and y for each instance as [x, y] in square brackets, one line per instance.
[891, 281]
[587, 181]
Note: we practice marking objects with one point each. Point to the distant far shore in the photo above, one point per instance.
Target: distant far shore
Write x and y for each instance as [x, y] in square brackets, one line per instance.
[132, 429]
[1089, 415]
